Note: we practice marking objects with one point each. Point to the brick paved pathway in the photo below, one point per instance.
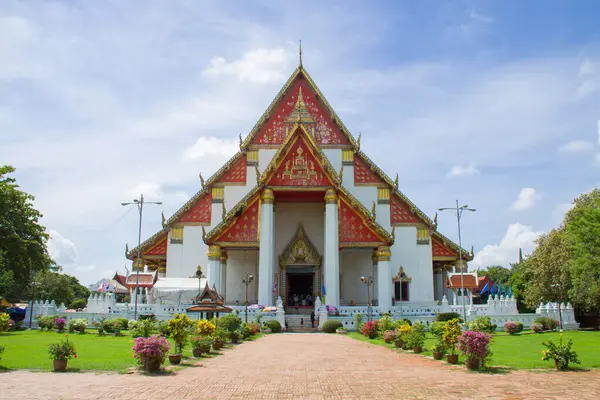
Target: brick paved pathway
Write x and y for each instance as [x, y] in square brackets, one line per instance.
[306, 366]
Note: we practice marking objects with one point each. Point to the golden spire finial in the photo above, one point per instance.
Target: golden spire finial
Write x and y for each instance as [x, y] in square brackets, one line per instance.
[203, 234]
[223, 210]
[393, 234]
[435, 221]
[241, 142]
[201, 179]
[257, 174]
[396, 181]
[358, 141]
[374, 210]
[126, 249]
[341, 174]
[300, 54]
[163, 219]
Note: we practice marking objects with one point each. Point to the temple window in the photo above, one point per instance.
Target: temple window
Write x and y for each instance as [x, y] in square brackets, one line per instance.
[404, 291]
[177, 235]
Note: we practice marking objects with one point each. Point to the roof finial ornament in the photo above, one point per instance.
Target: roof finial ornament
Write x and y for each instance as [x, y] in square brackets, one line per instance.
[241, 141]
[201, 179]
[435, 221]
[374, 210]
[224, 210]
[300, 54]
[342, 174]
[126, 249]
[358, 142]
[471, 253]
[396, 181]
[203, 234]
[393, 234]
[163, 219]
[257, 174]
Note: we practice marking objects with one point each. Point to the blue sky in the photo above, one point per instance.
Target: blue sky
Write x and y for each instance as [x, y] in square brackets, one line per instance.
[494, 103]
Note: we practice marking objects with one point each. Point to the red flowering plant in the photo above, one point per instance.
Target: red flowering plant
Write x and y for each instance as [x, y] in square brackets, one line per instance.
[474, 345]
[390, 336]
[60, 323]
[64, 350]
[370, 329]
[151, 351]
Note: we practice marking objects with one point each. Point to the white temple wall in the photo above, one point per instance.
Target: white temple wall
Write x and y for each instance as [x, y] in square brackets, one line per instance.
[240, 263]
[405, 253]
[425, 273]
[235, 193]
[264, 158]
[355, 263]
[335, 157]
[289, 215]
[183, 259]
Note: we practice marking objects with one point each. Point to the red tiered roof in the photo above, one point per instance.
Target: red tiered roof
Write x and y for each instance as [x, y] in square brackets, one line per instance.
[363, 174]
[399, 212]
[199, 212]
[245, 227]
[236, 173]
[353, 228]
[272, 132]
[159, 249]
[439, 250]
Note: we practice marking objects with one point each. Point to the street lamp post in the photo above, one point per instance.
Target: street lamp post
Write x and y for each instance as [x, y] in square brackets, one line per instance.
[246, 280]
[33, 285]
[140, 204]
[368, 281]
[458, 212]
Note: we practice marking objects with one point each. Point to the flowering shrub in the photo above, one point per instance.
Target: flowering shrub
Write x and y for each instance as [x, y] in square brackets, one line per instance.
[201, 342]
[482, 324]
[98, 325]
[206, 328]
[64, 350]
[403, 332]
[450, 336]
[1, 351]
[78, 324]
[474, 344]
[4, 324]
[437, 328]
[386, 322]
[537, 328]
[370, 329]
[548, 324]
[141, 328]
[254, 328]
[152, 350]
[358, 321]
[560, 353]
[60, 324]
[513, 327]
[46, 322]
[416, 337]
[390, 336]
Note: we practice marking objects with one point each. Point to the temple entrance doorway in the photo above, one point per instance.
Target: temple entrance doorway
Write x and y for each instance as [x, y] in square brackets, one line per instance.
[300, 289]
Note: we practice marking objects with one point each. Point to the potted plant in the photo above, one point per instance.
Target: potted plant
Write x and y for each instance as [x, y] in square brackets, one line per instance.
[200, 344]
[438, 350]
[178, 327]
[390, 335]
[450, 338]
[416, 337]
[61, 353]
[60, 324]
[402, 337]
[341, 331]
[99, 327]
[219, 339]
[235, 336]
[151, 352]
[474, 346]
[560, 353]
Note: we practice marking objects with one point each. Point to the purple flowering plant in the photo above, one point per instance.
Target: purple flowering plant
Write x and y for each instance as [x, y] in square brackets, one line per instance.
[151, 350]
[474, 345]
[60, 323]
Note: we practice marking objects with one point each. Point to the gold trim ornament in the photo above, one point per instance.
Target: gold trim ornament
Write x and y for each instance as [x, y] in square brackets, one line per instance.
[300, 251]
[214, 252]
[384, 253]
[331, 196]
[267, 196]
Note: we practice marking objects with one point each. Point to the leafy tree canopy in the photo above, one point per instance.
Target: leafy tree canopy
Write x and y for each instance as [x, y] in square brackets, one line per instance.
[498, 274]
[23, 240]
[61, 288]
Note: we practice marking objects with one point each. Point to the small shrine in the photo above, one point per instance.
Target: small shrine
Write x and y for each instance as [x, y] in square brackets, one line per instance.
[209, 302]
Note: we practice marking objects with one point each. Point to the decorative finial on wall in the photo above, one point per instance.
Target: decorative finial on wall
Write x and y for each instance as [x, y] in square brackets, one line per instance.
[163, 219]
[435, 221]
[204, 234]
[126, 249]
[358, 142]
[393, 234]
[224, 210]
[396, 181]
[300, 54]
[342, 173]
[241, 141]
[257, 174]
[201, 179]
[374, 210]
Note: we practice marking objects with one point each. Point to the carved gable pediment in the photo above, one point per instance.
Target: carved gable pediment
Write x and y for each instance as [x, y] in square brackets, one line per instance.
[300, 251]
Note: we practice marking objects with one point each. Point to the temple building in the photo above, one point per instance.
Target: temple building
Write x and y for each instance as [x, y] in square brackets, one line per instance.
[303, 209]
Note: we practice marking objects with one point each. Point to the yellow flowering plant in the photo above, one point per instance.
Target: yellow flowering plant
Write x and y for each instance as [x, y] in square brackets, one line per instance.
[206, 328]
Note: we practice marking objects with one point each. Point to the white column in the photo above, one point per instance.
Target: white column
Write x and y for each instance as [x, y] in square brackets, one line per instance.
[332, 249]
[266, 259]
[213, 270]
[384, 273]
[223, 289]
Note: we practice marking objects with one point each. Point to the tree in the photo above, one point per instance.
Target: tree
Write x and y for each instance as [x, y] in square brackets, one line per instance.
[61, 288]
[23, 240]
[498, 274]
[583, 230]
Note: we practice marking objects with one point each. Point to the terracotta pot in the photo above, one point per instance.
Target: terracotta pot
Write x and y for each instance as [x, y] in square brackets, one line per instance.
[234, 340]
[399, 344]
[152, 365]
[472, 363]
[418, 349]
[205, 349]
[175, 359]
[452, 358]
[197, 352]
[217, 345]
[557, 367]
[437, 355]
[60, 365]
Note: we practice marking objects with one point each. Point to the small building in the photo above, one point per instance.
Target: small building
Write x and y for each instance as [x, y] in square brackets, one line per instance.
[209, 303]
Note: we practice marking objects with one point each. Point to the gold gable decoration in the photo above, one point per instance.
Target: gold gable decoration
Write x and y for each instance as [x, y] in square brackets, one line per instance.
[300, 251]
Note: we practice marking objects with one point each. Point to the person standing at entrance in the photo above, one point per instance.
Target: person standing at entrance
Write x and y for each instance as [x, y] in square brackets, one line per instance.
[312, 318]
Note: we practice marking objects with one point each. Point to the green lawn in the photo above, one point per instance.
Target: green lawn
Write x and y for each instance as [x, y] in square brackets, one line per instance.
[524, 351]
[29, 350]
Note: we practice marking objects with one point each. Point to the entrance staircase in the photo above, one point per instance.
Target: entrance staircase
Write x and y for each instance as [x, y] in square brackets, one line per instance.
[299, 323]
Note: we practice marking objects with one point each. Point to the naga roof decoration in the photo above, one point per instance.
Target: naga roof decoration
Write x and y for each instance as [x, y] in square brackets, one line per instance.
[232, 215]
[355, 229]
[245, 227]
[328, 128]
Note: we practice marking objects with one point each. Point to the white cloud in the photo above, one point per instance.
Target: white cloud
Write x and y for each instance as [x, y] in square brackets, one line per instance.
[480, 17]
[577, 146]
[525, 200]
[467, 170]
[256, 66]
[517, 237]
[61, 249]
[587, 67]
[211, 146]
